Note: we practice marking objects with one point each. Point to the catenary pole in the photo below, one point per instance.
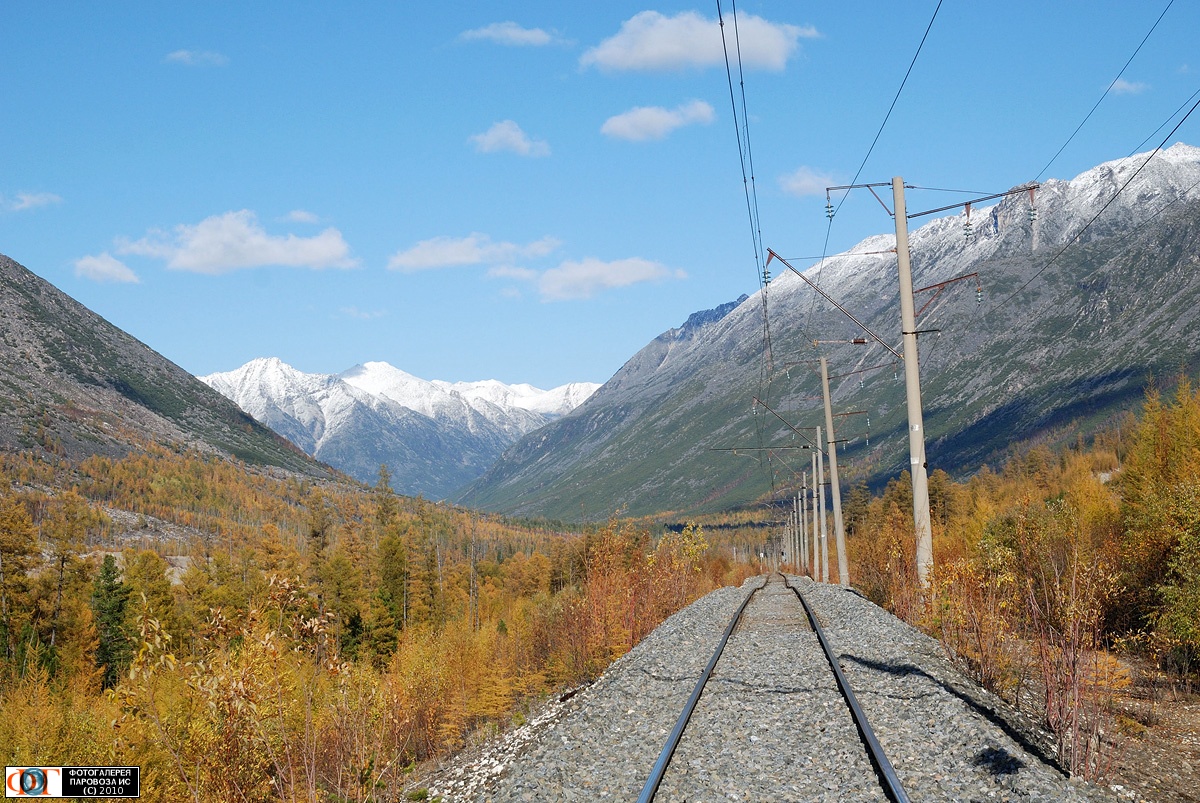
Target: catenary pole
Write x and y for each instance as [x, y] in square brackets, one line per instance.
[839, 530]
[816, 550]
[793, 529]
[804, 518]
[821, 506]
[912, 384]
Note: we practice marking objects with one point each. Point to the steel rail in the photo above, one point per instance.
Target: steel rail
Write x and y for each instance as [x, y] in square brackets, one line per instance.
[883, 767]
[650, 789]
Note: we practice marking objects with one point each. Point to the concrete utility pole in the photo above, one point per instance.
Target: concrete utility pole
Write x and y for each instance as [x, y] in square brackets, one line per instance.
[816, 550]
[804, 518]
[794, 521]
[839, 531]
[821, 505]
[912, 384]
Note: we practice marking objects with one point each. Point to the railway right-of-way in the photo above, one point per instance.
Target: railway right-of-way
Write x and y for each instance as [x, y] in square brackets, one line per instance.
[771, 724]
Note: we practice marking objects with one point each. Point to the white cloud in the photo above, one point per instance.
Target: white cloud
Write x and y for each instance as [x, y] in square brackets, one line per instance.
[512, 272]
[506, 135]
[105, 268]
[805, 181]
[509, 33]
[1123, 87]
[584, 278]
[301, 216]
[654, 122]
[651, 41]
[28, 200]
[474, 249]
[235, 240]
[197, 58]
[362, 315]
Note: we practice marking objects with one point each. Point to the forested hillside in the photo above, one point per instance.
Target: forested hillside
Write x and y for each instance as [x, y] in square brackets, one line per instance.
[1050, 570]
[255, 636]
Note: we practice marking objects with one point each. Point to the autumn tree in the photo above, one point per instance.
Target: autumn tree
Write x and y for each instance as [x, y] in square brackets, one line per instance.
[66, 531]
[150, 593]
[1161, 504]
[18, 547]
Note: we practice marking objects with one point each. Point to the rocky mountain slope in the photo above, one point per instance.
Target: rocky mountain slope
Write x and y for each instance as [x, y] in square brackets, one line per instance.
[434, 436]
[74, 385]
[1070, 331]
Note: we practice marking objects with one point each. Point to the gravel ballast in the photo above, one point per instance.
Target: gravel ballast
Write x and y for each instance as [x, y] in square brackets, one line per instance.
[771, 724]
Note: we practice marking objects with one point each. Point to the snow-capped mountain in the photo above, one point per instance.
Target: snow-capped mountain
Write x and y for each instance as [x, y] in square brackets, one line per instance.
[433, 436]
[1082, 305]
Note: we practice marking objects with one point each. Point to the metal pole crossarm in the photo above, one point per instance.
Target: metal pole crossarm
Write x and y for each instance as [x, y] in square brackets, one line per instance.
[755, 448]
[992, 197]
[786, 422]
[772, 255]
[943, 284]
[939, 287]
[859, 186]
[863, 370]
[871, 187]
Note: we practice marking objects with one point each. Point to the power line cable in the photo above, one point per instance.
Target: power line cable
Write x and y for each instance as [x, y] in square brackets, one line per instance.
[863, 163]
[1154, 133]
[742, 131]
[746, 158]
[757, 220]
[892, 107]
[1096, 216]
[1105, 94]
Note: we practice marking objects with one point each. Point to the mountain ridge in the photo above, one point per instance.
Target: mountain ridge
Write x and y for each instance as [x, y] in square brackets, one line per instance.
[72, 384]
[1033, 362]
[434, 436]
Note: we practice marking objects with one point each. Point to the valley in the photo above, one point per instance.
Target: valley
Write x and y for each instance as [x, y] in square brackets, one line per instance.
[202, 576]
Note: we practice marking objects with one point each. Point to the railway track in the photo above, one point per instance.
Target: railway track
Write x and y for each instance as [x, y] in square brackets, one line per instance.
[771, 723]
[802, 745]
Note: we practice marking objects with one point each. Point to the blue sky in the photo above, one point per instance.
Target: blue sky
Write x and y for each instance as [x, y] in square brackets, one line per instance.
[523, 191]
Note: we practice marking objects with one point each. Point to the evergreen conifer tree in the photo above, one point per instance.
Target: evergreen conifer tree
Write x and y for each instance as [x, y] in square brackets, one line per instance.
[110, 598]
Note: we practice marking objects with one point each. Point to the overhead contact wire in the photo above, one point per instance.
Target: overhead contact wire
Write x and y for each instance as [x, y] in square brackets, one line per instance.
[1095, 217]
[870, 150]
[1105, 93]
[746, 159]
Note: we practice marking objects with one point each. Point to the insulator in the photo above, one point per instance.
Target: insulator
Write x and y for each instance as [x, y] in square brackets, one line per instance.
[978, 295]
[968, 230]
[1032, 214]
[862, 383]
[828, 208]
